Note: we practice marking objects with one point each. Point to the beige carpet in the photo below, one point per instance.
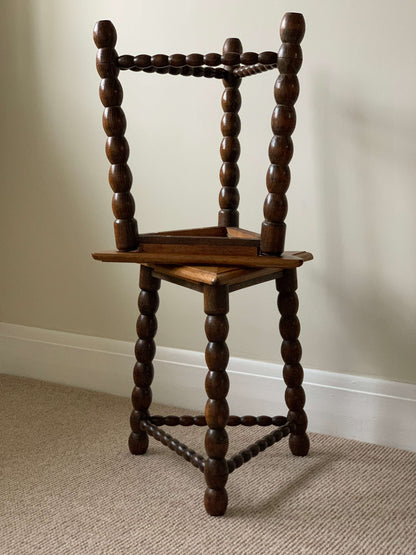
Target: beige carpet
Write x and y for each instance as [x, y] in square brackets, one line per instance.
[69, 485]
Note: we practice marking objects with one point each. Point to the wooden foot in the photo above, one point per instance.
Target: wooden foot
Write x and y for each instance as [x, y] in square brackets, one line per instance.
[145, 351]
[216, 410]
[299, 444]
[216, 501]
[291, 353]
[138, 443]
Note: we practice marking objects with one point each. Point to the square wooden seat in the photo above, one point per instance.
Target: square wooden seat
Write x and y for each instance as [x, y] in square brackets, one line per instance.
[217, 260]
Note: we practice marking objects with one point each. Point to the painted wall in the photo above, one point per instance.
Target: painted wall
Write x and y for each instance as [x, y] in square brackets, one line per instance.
[351, 201]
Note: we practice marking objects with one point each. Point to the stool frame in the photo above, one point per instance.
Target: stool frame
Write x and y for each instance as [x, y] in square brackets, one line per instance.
[216, 260]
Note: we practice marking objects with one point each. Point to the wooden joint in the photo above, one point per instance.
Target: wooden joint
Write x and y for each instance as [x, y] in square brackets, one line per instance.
[216, 299]
[288, 282]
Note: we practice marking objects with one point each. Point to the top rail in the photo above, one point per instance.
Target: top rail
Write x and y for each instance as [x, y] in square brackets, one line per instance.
[201, 65]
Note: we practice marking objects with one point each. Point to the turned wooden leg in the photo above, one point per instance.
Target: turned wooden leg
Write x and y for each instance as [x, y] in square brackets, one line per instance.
[216, 410]
[291, 353]
[145, 351]
[116, 147]
[229, 197]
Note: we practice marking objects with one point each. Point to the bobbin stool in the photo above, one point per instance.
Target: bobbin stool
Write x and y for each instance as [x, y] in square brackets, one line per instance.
[216, 260]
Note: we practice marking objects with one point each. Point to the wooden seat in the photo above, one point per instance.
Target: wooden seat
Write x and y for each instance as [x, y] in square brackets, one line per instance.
[288, 259]
[213, 260]
[196, 277]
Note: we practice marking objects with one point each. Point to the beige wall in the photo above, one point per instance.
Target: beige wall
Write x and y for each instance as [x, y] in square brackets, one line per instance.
[352, 199]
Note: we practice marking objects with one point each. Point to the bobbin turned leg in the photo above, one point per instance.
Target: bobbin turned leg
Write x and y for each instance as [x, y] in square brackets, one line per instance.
[145, 351]
[229, 197]
[292, 352]
[216, 410]
[286, 92]
[116, 147]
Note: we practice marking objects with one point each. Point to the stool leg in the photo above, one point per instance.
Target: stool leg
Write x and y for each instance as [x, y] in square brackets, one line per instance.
[145, 351]
[291, 353]
[216, 410]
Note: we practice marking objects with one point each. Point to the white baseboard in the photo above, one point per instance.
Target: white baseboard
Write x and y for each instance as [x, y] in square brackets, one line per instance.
[365, 409]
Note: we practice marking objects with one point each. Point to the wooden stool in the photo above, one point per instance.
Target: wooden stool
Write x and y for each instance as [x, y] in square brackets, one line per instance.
[216, 260]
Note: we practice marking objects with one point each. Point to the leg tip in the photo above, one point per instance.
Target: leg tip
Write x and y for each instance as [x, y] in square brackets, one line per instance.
[138, 443]
[216, 501]
[299, 445]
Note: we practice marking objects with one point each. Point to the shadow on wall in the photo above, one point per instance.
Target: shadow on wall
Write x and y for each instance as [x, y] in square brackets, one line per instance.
[367, 165]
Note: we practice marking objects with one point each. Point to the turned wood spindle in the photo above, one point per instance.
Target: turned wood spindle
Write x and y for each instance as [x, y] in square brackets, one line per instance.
[117, 148]
[229, 197]
[291, 353]
[286, 91]
[174, 444]
[145, 351]
[216, 410]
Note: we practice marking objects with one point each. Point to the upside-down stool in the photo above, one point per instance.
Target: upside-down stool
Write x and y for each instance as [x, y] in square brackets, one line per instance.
[212, 260]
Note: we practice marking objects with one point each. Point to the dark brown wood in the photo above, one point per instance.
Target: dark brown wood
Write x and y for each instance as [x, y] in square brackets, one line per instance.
[175, 64]
[216, 386]
[230, 58]
[145, 351]
[216, 260]
[180, 240]
[255, 448]
[249, 58]
[233, 420]
[289, 259]
[291, 353]
[216, 73]
[224, 249]
[246, 71]
[257, 420]
[143, 61]
[256, 63]
[177, 60]
[286, 92]
[175, 445]
[212, 59]
[194, 60]
[268, 57]
[195, 277]
[213, 231]
[160, 60]
[114, 123]
[220, 241]
[229, 197]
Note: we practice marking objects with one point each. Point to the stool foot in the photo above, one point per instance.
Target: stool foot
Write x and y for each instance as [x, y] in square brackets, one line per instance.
[216, 501]
[138, 443]
[299, 445]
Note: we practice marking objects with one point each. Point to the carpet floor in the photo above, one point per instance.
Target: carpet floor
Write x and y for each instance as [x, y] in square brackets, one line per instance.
[68, 485]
